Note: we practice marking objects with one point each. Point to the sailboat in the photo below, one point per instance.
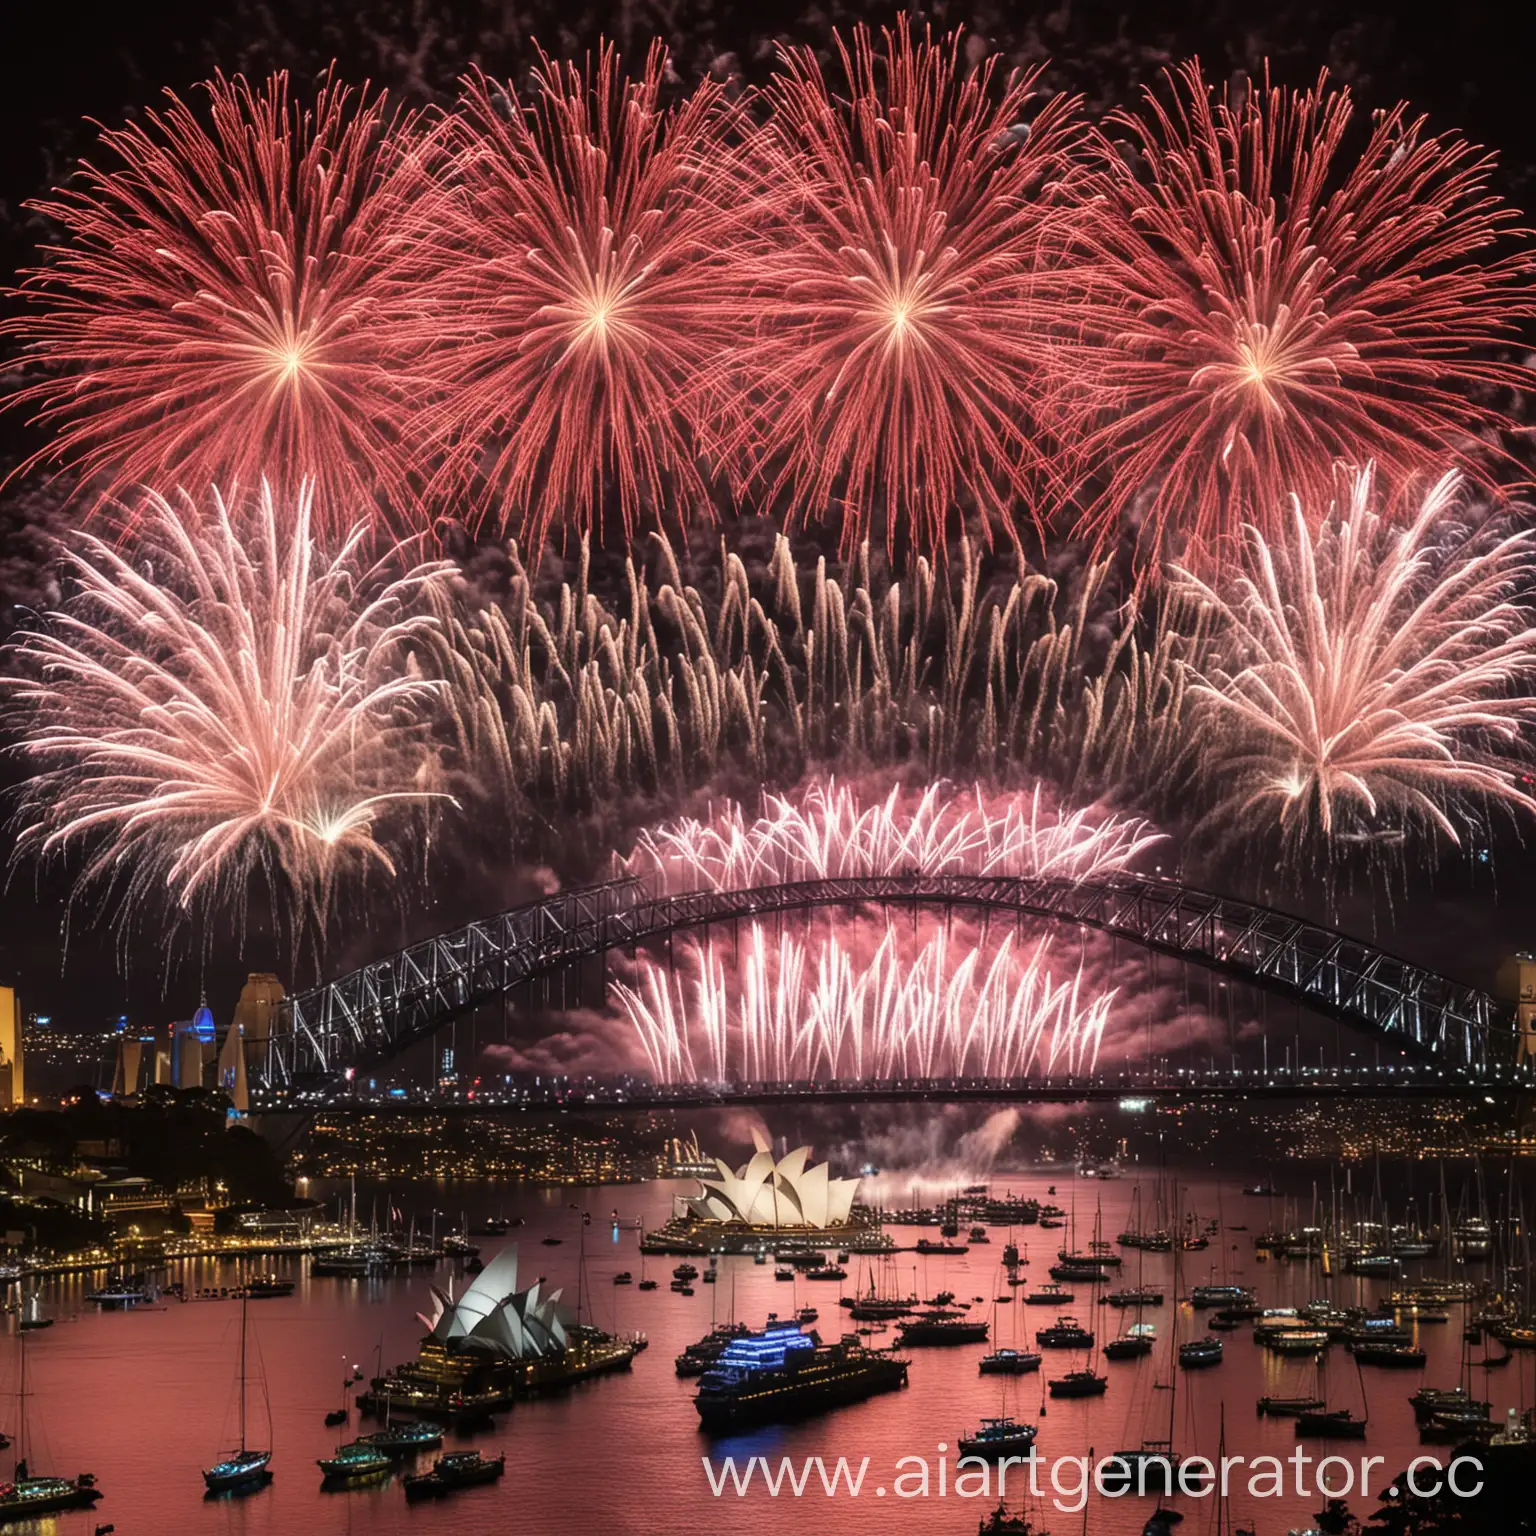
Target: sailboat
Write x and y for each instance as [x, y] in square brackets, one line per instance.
[26, 1495]
[243, 1467]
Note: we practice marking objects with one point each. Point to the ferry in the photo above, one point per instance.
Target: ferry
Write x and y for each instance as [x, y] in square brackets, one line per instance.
[781, 1373]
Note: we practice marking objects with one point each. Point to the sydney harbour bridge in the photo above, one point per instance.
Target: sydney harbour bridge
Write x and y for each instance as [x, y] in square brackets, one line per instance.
[1431, 1034]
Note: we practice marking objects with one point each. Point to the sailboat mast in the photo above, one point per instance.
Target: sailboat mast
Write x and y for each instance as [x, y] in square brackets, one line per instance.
[245, 1292]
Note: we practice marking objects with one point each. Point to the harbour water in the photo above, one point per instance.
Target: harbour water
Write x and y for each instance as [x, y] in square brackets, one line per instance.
[145, 1398]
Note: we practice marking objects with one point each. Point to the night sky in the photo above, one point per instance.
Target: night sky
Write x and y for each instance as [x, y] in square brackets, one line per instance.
[1467, 66]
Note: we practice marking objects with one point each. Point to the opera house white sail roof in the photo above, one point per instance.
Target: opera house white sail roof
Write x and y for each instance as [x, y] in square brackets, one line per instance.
[493, 1317]
[765, 1193]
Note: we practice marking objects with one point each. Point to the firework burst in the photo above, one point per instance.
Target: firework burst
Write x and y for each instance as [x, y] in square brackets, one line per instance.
[800, 1011]
[903, 286]
[1272, 303]
[226, 701]
[581, 299]
[1364, 677]
[226, 305]
[830, 831]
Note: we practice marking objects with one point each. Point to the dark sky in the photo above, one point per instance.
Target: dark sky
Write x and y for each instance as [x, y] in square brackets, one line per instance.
[1467, 65]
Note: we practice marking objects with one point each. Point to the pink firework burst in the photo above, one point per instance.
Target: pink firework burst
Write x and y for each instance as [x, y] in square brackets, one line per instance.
[581, 300]
[234, 698]
[904, 280]
[828, 830]
[1275, 302]
[1364, 679]
[225, 303]
[801, 1009]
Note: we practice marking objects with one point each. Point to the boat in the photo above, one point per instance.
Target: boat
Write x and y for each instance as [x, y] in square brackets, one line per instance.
[623, 1278]
[697, 1357]
[1200, 1354]
[1001, 1523]
[26, 1497]
[1204, 1296]
[1428, 1401]
[1455, 1428]
[783, 1272]
[647, 1285]
[1288, 1407]
[1064, 1333]
[1142, 1296]
[1325, 1424]
[351, 1263]
[942, 1327]
[32, 1318]
[1082, 1272]
[268, 1287]
[1153, 1468]
[244, 1467]
[354, 1462]
[1078, 1384]
[1049, 1296]
[685, 1272]
[405, 1439]
[456, 1470]
[781, 1373]
[826, 1272]
[1129, 1346]
[998, 1438]
[1400, 1357]
[1295, 1341]
[335, 1416]
[121, 1294]
[1008, 1362]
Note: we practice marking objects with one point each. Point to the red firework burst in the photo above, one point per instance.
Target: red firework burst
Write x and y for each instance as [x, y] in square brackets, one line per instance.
[581, 298]
[903, 286]
[223, 306]
[1274, 304]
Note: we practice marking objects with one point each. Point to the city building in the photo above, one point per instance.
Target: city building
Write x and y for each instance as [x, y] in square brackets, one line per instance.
[13, 1089]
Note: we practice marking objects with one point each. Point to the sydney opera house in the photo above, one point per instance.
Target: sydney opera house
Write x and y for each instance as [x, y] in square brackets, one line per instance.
[768, 1202]
[491, 1345]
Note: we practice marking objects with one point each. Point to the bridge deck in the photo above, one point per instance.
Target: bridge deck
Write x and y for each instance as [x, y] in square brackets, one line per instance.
[364, 1018]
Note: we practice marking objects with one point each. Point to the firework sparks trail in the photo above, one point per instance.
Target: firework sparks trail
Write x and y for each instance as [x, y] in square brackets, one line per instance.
[1366, 676]
[801, 1011]
[904, 280]
[226, 306]
[572, 700]
[224, 700]
[1271, 305]
[828, 831]
[581, 298]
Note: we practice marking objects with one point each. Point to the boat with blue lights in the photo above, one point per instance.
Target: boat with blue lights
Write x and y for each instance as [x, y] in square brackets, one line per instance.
[243, 1468]
[784, 1373]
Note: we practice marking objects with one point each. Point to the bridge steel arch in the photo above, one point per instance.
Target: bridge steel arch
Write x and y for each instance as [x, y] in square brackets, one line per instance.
[362, 1019]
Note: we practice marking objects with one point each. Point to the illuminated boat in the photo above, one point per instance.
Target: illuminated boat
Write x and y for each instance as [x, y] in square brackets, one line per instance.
[354, 1462]
[781, 1373]
[24, 1498]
